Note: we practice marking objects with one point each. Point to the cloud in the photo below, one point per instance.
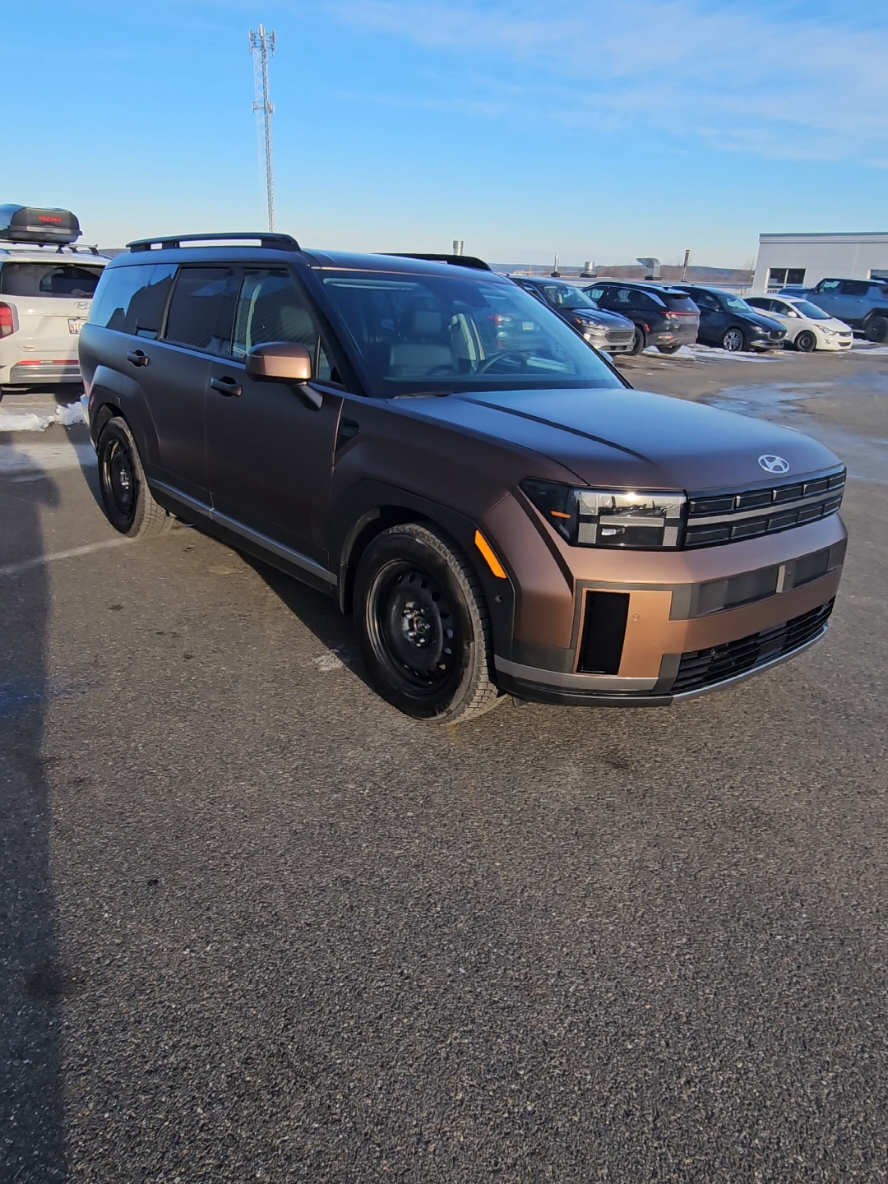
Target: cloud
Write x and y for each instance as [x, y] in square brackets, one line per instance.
[770, 79]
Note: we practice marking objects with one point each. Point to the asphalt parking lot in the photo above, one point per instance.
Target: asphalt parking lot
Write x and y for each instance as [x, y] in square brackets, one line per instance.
[256, 925]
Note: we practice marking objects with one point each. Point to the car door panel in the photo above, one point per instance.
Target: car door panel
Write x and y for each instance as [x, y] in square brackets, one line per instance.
[270, 455]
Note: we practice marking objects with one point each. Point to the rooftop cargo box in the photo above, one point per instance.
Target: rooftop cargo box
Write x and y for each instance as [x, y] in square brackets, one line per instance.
[27, 224]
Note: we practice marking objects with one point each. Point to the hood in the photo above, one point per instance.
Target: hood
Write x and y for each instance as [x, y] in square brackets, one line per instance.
[598, 316]
[622, 438]
[760, 318]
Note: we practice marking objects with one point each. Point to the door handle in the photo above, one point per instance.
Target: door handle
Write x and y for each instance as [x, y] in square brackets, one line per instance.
[137, 357]
[225, 386]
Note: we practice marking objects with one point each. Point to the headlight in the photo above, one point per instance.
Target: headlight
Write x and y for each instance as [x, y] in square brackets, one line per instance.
[610, 518]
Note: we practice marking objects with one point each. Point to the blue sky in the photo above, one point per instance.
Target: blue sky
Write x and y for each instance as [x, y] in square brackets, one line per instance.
[600, 129]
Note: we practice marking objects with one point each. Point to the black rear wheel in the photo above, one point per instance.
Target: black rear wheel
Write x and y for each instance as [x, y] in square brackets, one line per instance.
[669, 349]
[423, 626]
[129, 504]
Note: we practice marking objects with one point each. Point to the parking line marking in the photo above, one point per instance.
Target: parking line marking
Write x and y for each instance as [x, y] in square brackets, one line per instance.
[12, 569]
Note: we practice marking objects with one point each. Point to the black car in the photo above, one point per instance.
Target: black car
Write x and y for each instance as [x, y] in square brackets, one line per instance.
[662, 316]
[607, 331]
[729, 322]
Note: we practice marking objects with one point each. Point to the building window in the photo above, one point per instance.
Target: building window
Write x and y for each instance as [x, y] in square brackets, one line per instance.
[879, 273]
[785, 277]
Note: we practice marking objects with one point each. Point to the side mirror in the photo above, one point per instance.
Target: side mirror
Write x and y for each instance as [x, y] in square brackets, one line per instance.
[282, 360]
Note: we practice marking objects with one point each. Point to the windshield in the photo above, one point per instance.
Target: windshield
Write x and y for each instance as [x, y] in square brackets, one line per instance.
[811, 311]
[566, 296]
[48, 279]
[449, 333]
[737, 305]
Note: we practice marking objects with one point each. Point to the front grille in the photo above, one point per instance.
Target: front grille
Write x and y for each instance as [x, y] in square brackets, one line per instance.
[703, 668]
[729, 517]
[620, 337]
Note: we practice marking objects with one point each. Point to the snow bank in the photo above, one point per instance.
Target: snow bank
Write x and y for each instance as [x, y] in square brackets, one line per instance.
[27, 421]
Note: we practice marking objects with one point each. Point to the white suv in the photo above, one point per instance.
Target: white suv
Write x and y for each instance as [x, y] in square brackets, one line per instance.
[46, 288]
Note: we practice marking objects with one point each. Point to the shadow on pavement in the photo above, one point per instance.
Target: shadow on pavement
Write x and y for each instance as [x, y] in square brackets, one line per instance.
[33, 981]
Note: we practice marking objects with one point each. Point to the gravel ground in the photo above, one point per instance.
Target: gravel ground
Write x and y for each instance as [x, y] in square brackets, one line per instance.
[256, 925]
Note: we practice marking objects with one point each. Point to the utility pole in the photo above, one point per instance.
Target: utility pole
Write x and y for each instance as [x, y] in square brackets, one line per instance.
[684, 267]
[261, 45]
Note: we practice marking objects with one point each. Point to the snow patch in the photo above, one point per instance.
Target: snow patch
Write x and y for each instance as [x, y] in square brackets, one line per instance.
[328, 663]
[28, 421]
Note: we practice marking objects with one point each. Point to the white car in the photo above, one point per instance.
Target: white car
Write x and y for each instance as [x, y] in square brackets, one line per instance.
[807, 326]
[46, 288]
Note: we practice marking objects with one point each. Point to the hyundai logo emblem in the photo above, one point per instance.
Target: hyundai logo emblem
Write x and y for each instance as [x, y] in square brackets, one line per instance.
[774, 464]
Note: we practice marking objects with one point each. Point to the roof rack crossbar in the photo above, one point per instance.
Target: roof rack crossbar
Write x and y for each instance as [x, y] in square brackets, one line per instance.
[279, 242]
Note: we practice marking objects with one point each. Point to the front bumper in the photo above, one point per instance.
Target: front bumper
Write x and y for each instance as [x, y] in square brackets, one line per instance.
[669, 647]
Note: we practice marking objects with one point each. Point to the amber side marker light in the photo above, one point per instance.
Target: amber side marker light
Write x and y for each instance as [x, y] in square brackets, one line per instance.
[487, 551]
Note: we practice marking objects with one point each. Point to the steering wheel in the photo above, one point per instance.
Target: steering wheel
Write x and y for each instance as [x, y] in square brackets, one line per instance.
[488, 362]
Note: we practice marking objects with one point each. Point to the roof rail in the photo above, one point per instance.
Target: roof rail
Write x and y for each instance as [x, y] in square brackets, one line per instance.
[280, 242]
[457, 260]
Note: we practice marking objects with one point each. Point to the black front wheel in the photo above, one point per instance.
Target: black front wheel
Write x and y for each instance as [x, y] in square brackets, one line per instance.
[876, 329]
[129, 504]
[639, 342]
[806, 342]
[423, 626]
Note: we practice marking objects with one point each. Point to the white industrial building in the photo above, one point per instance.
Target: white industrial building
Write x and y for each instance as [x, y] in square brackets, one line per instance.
[789, 260]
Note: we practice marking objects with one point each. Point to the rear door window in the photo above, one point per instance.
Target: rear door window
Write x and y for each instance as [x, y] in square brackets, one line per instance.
[202, 309]
[65, 280]
[133, 299]
[855, 288]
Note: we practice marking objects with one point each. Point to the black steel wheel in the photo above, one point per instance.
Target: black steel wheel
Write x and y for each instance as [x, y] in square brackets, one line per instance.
[423, 625]
[733, 340]
[876, 329]
[806, 342]
[128, 502]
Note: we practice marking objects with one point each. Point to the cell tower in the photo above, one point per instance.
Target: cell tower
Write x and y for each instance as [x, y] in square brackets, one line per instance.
[261, 45]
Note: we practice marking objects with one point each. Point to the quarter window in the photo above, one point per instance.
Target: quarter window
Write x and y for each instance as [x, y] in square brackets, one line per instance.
[133, 299]
[201, 309]
[271, 308]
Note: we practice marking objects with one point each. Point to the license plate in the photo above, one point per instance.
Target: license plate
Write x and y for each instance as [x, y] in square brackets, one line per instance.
[74, 324]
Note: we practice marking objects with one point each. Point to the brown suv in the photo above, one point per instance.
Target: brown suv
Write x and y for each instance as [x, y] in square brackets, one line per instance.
[501, 511]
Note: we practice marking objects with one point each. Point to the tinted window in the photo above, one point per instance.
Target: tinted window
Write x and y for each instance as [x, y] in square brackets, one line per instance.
[855, 288]
[828, 286]
[763, 304]
[448, 333]
[271, 308]
[49, 279]
[201, 309]
[705, 300]
[133, 299]
[647, 300]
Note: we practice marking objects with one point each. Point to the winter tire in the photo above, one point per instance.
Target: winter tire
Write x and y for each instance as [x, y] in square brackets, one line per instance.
[423, 626]
[129, 504]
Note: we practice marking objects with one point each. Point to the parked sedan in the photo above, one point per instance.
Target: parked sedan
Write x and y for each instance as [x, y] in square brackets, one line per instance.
[807, 326]
[729, 322]
[662, 316]
[606, 331]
